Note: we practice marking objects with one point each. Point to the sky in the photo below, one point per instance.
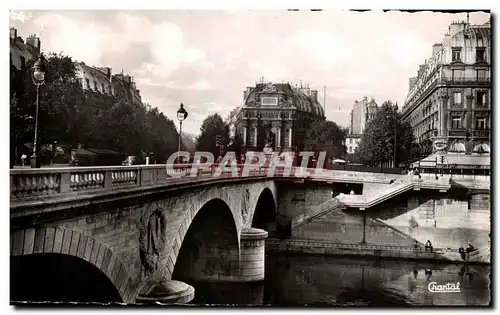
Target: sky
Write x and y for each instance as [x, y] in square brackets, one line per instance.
[205, 59]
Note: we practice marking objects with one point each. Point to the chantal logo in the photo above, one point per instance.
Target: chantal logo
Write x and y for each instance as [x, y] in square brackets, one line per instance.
[449, 287]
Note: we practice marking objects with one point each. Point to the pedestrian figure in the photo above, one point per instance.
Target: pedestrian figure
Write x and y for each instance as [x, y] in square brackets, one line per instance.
[428, 273]
[428, 246]
[470, 248]
[415, 273]
[461, 250]
[23, 159]
[415, 244]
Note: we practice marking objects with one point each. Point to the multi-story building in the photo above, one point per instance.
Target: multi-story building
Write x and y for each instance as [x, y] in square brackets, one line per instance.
[362, 112]
[20, 53]
[352, 142]
[125, 87]
[279, 112]
[101, 80]
[449, 101]
[95, 79]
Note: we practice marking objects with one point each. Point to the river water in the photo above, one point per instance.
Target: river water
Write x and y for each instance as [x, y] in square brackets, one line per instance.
[312, 280]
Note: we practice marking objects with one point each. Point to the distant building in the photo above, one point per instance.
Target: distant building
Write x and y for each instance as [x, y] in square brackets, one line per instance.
[125, 87]
[20, 53]
[449, 101]
[362, 111]
[95, 79]
[352, 142]
[276, 110]
[101, 80]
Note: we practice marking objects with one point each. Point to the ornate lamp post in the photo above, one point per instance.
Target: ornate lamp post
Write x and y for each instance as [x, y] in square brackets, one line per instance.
[181, 115]
[38, 79]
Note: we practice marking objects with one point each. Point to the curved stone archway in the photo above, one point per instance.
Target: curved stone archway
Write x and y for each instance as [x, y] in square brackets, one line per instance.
[210, 247]
[265, 212]
[63, 242]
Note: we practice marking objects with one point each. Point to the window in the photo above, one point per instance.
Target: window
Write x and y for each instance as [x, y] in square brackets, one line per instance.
[480, 55]
[480, 98]
[269, 100]
[95, 86]
[23, 62]
[350, 149]
[456, 54]
[481, 75]
[110, 90]
[103, 89]
[456, 123]
[457, 75]
[480, 123]
[457, 98]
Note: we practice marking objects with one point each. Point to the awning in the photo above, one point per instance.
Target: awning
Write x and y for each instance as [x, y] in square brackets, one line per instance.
[481, 148]
[83, 152]
[455, 161]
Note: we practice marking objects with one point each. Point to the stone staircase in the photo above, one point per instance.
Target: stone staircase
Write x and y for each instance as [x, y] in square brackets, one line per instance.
[343, 201]
[481, 255]
[392, 190]
[316, 212]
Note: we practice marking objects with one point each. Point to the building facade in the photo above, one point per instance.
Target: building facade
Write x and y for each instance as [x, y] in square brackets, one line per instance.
[95, 79]
[362, 111]
[352, 142]
[449, 101]
[126, 88]
[276, 115]
[20, 53]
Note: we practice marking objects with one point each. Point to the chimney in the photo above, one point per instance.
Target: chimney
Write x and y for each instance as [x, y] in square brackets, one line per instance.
[13, 33]
[456, 27]
[34, 42]
[436, 48]
[314, 95]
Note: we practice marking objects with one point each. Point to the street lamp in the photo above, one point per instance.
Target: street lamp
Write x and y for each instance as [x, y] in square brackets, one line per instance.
[344, 154]
[38, 77]
[181, 115]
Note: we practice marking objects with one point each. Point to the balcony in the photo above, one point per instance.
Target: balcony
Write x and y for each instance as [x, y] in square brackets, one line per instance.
[456, 133]
[482, 133]
[466, 81]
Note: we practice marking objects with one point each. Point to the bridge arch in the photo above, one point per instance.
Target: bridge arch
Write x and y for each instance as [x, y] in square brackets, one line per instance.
[265, 212]
[209, 248]
[43, 258]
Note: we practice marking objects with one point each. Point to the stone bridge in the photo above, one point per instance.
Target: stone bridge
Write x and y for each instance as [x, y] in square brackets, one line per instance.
[138, 233]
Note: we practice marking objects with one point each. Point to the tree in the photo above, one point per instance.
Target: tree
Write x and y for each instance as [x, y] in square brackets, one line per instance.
[211, 127]
[60, 96]
[162, 135]
[324, 135]
[188, 142]
[383, 135]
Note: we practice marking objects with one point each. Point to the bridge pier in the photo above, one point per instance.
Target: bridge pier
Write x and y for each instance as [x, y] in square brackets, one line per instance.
[252, 253]
[168, 292]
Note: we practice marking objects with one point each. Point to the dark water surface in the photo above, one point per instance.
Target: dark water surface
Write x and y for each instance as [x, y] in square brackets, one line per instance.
[336, 281]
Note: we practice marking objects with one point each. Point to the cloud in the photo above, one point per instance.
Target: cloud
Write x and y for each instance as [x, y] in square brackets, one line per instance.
[20, 16]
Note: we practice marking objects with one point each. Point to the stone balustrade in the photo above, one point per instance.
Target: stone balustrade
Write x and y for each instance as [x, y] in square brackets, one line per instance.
[46, 182]
[42, 182]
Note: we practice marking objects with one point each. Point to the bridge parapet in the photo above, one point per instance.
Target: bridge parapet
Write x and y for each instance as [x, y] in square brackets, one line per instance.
[27, 184]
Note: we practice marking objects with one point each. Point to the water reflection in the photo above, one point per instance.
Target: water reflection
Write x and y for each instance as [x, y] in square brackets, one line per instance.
[317, 280]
